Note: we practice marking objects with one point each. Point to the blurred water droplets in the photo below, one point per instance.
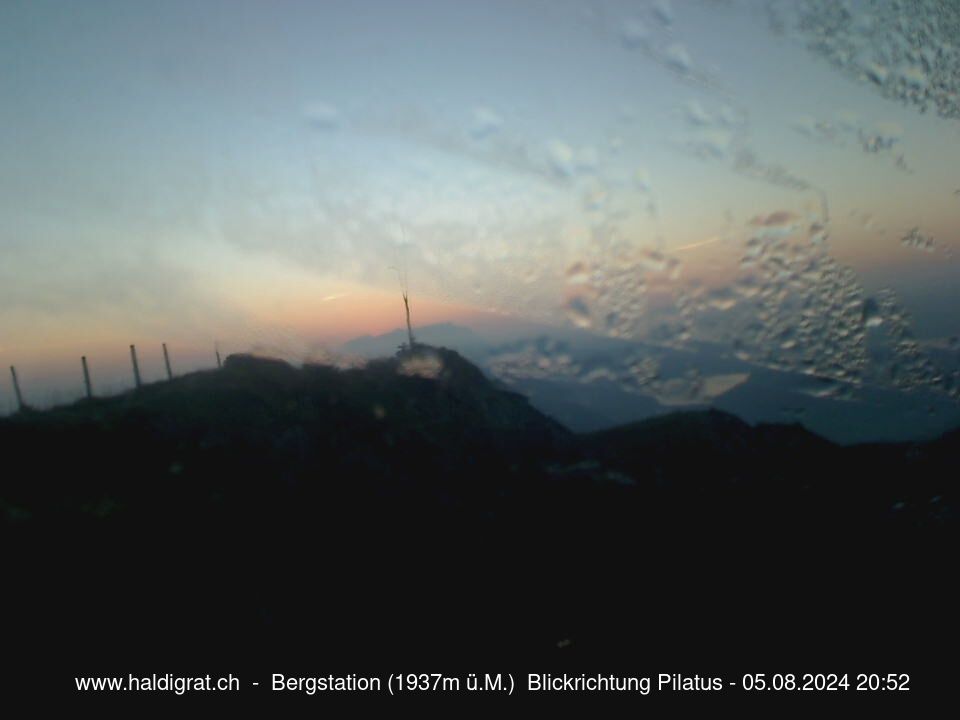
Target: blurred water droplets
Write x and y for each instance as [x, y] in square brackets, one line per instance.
[905, 50]
[918, 241]
[634, 34]
[577, 307]
[485, 123]
[323, 116]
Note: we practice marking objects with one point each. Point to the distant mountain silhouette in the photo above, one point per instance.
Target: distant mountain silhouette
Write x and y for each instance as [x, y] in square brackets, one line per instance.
[840, 412]
[449, 335]
[414, 506]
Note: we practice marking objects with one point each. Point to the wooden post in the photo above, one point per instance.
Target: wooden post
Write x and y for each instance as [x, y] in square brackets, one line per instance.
[216, 349]
[166, 361]
[136, 367]
[86, 377]
[16, 387]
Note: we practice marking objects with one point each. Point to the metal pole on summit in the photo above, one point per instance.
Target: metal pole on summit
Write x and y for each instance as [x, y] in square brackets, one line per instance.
[166, 362]
[136, 367]
[86, 377]
[16, 387]
[405, 286]
[406, 305]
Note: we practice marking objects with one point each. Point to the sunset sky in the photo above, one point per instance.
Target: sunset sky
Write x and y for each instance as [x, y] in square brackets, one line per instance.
[263, 174]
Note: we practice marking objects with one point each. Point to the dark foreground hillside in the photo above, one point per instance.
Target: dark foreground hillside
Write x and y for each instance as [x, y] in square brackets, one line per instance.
[413, 510]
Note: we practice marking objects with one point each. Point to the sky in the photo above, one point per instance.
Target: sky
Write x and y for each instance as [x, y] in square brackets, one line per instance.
[268, 175]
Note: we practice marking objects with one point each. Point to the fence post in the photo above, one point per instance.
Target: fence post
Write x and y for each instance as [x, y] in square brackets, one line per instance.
[86, 377]
[136, 367]
[166, 361]
[16, 387]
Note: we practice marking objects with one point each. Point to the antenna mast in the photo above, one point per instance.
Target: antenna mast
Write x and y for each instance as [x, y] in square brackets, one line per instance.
[406, 305]
[404, 284]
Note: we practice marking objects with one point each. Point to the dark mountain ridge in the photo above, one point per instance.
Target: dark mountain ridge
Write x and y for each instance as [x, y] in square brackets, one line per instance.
[414, 504]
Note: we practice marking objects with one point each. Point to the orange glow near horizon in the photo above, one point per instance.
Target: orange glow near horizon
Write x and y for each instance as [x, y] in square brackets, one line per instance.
[351, 311]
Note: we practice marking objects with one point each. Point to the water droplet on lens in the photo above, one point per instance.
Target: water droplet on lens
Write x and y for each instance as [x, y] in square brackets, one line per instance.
[578, 311]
